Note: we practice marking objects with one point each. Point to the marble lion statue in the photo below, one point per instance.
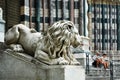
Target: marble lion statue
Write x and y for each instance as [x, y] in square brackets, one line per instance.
[50, 47]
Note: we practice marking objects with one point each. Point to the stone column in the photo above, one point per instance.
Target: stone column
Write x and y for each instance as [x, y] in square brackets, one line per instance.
[118, 27]
[24, 12]
[85, 11]
[2, 26]
[57, 7]
[111, 28]
[1, 14]
[90, 21]
[52, 12]
[95, 26]
[71, 10]
[2, 30]
[64, 9]
[37, 12]
[81, 17]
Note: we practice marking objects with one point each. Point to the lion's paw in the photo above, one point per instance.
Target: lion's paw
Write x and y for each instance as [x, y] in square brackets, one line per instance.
[62, 61]
[17, 48]
[74, 63]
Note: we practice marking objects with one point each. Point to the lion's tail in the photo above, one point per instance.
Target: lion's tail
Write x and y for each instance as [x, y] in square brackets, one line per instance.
[12, 35]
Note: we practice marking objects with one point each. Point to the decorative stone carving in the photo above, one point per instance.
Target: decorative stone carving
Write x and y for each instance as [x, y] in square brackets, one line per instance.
[51, 47]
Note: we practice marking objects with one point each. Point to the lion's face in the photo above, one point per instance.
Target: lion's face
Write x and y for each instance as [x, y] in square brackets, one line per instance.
[65, 32]
[75, 37]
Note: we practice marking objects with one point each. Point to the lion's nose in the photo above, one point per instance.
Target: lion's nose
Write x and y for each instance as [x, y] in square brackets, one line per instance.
[77, 41]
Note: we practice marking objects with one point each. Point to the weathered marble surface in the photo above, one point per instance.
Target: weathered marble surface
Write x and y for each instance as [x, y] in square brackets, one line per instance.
[20, 66]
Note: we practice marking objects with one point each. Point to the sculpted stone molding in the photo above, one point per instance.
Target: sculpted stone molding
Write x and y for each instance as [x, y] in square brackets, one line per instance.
[51, 47]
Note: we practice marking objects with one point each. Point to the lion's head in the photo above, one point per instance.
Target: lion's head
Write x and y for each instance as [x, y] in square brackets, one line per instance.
[65, 32]
[58, 39]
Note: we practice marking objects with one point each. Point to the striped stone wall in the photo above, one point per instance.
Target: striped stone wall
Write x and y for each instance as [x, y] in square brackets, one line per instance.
[50, 11]
[105, 24]
[103, 18]
[11, 12]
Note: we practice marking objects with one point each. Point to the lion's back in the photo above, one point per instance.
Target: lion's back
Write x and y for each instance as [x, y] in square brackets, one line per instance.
[30, 41]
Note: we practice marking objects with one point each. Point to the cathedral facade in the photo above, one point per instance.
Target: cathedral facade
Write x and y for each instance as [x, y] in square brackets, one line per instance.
[97, 19]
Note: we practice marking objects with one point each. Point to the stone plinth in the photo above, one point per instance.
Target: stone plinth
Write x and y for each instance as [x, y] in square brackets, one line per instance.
[19, 66]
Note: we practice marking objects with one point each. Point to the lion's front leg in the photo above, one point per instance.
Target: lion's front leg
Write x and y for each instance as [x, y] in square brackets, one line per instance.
[73, 60]
[16, 47]
[52, 54]
[61, 59]
[45, 57]
[70, 57]
[42, 56]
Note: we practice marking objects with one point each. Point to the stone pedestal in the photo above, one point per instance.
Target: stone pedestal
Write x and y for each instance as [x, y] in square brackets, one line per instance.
[66, 73]
[19, 66]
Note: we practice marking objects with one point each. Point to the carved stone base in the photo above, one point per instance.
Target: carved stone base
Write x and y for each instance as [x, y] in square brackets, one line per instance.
[19, 66]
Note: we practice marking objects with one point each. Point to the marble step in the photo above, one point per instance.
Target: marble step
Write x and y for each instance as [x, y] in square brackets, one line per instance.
[97, 78]
[98, 71]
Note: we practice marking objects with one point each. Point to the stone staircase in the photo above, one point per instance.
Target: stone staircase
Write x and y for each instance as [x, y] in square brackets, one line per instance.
[116, 70]
[113, 73]
[98, 74]
[116, 65]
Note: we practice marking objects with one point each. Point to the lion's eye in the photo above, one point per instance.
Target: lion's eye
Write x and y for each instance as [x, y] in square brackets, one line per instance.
[69, 28]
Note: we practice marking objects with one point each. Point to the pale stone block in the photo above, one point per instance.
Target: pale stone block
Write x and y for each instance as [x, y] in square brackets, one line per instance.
[66, 72]
[20, 66]
[74, 72]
